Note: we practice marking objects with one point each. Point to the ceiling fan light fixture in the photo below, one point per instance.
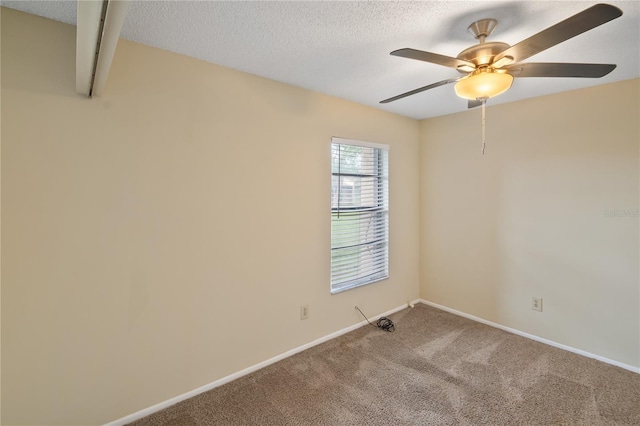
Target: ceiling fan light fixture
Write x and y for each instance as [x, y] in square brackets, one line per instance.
[483, 83]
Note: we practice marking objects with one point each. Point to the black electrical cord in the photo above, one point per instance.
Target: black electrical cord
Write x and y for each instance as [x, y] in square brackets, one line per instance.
[383, 322]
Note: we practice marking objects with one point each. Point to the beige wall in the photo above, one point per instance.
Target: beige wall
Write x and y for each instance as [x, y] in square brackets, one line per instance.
[530, 217]
[165, 235]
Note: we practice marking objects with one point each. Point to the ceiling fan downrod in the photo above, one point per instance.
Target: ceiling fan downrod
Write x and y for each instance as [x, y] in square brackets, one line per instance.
[482, 28]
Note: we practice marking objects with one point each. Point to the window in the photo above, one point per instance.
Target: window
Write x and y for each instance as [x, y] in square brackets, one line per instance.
[359, 214]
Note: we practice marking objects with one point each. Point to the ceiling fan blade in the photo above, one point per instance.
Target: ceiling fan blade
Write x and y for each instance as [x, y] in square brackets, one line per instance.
[421, 89]
[474, 103]
[562, 31]
[434, 58]
[541, 69]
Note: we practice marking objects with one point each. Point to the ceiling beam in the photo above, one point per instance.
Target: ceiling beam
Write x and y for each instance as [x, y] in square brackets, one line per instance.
[99, 26]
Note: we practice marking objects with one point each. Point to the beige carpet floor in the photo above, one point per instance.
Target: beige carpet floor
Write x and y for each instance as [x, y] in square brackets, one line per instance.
[436, 369]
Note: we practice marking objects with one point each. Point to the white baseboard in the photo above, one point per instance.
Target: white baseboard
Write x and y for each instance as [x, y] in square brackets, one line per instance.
[533, 337]
[162, 405]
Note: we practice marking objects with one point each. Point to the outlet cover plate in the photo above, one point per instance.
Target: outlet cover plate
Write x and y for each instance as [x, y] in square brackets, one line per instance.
[536, 304]
[304, 312]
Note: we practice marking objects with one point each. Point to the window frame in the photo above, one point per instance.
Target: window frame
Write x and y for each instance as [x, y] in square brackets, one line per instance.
[377, 215]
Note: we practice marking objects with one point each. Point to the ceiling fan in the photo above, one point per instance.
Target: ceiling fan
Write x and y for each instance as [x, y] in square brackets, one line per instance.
[490, 67]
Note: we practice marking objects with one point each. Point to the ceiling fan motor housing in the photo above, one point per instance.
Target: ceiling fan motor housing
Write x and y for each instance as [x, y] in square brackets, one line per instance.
[482, 54]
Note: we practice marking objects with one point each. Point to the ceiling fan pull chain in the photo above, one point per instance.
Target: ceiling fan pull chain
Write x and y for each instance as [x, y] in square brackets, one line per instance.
[484, 102]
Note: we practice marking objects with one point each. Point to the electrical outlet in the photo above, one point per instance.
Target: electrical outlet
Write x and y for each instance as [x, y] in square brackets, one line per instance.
[536, 303]
[304, 312]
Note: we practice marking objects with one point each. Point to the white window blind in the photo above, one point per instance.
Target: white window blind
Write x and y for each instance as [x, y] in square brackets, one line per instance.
[359, 214]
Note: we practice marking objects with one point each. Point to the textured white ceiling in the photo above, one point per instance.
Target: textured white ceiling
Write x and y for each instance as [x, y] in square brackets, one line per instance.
[342, 48]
